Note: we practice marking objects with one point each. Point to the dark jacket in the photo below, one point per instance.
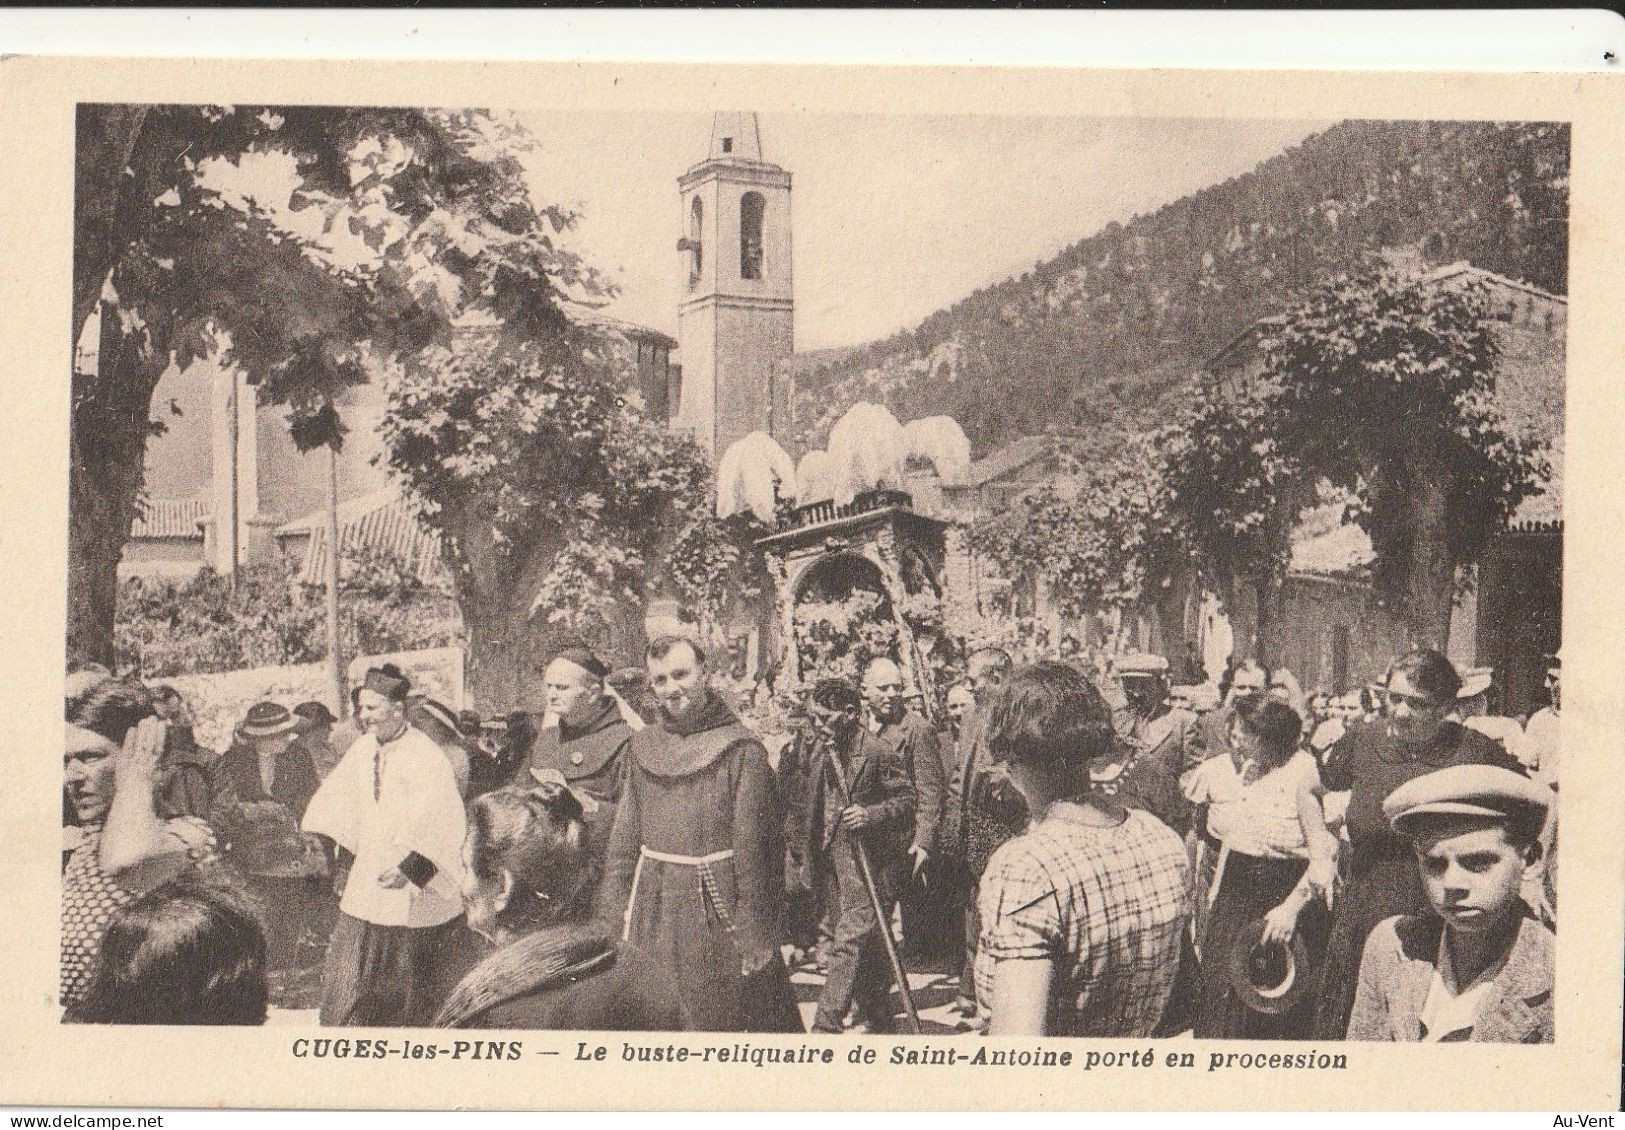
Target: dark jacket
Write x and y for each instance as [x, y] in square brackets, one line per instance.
[186, 785]
[1165, 745]
[873, 777]
[592, 757]
[916, 742]
[1213, 733]
[986, 807]
[293, 784]
[798, 785]
[1401, 956]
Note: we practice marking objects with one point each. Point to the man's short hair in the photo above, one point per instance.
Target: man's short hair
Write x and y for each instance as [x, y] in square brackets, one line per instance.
[835, 693]
[876, 659]
[661, 646]
[1049, 714]
[163, 692]
[1430, 673]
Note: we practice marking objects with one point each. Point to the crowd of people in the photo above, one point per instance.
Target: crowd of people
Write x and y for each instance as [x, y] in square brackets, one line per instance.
[1092, 852]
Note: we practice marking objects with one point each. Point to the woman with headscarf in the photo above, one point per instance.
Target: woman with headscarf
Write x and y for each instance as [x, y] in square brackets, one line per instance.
[1369, 762]
[531, 958]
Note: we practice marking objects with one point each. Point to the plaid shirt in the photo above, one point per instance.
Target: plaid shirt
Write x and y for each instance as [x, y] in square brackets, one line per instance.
[1105, 905]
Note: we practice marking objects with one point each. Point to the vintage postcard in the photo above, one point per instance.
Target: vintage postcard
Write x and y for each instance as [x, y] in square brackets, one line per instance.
[668, 586]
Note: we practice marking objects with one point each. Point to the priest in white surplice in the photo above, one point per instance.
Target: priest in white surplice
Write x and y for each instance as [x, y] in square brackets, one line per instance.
[391, 803]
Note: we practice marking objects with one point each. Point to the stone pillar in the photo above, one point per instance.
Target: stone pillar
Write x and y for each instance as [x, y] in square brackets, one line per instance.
[785, 601]
[228, 444]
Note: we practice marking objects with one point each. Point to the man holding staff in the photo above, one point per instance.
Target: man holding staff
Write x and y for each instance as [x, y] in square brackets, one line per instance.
[865, 802]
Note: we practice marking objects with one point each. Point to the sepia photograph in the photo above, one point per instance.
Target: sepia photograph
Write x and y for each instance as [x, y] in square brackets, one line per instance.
[990, 581]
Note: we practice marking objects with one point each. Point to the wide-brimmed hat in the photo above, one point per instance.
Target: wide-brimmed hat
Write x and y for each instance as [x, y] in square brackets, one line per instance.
[313, 715]
[267, 720]
[1270, 979]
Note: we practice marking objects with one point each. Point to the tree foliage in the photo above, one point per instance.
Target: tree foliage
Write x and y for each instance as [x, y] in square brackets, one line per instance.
[1377, 390]
[292, 242]
[560, 506]
[1229, 486]
[315, 248]
[1096, 539]
[1384, 387]
[205, 624]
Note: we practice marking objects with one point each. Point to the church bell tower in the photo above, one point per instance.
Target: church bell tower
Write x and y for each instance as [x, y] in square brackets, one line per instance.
[735, 317]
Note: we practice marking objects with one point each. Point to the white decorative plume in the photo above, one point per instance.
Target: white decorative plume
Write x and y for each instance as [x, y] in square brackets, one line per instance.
[940, 440]
[816, 477]
[868, 449]
[752, 474]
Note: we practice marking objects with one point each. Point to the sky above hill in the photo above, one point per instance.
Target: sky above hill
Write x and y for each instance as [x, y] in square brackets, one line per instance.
[894, 216]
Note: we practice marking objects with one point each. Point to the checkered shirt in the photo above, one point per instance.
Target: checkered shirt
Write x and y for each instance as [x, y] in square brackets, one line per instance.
[1105, 905]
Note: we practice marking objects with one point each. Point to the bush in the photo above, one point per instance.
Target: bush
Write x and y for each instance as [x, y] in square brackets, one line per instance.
[271, 618]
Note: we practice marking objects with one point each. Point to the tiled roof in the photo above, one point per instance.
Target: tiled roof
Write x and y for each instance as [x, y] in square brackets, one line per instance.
[582, 315]
[381, 521]
[1012, 456]
[170, 518]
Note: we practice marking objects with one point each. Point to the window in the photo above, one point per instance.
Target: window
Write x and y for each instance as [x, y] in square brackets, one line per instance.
[727, 145]
[696, 225]
[751, 207]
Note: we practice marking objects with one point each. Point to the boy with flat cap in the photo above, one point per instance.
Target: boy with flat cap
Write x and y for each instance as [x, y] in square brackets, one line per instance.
[1479, 968]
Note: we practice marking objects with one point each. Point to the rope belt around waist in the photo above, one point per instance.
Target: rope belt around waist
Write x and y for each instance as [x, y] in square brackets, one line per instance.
[710, 893]
[686, 860]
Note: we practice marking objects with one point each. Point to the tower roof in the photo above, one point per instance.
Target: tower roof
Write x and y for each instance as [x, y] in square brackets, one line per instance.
[736, 150]
[736, 134]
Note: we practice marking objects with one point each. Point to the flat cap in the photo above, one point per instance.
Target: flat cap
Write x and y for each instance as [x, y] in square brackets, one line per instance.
[1469, 790]
[1141, 663]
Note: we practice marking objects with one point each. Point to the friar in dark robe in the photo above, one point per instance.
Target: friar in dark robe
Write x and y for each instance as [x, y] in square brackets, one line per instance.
[695, 870]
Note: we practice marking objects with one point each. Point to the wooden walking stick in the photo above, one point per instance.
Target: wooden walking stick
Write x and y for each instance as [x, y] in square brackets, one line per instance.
[899, 974]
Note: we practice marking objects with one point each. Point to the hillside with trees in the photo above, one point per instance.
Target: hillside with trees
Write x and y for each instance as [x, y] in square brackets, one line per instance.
[1104, 337]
